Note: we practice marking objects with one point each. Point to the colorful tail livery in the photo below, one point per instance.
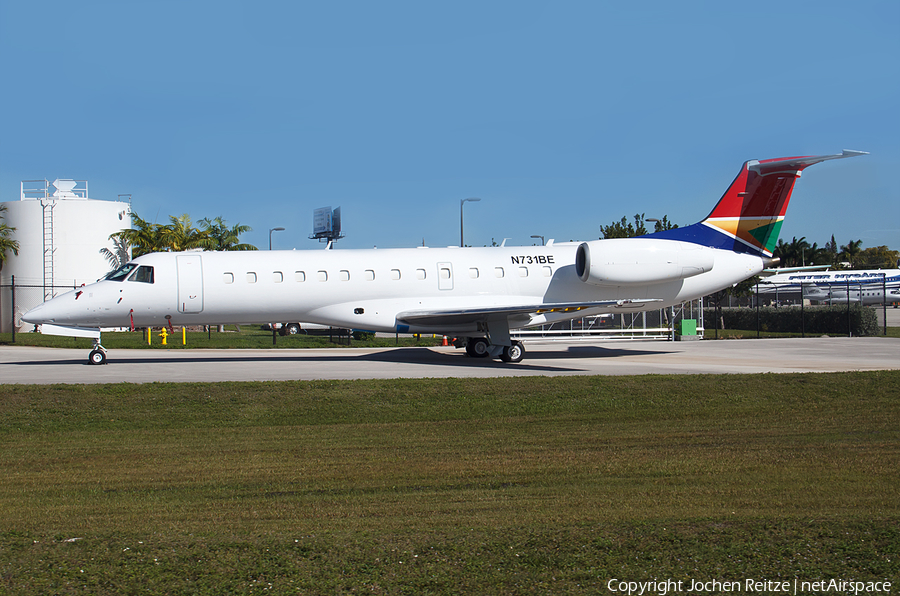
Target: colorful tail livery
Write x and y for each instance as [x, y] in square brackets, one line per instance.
[749, 215]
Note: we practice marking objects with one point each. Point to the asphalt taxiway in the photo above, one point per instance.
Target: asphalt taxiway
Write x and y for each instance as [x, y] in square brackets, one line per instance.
[30, 365]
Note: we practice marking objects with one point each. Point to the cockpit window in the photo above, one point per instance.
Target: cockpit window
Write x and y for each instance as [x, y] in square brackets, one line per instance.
[122, 272]
[143, 274]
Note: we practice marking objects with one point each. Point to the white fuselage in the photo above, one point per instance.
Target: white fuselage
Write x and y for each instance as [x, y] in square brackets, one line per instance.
[368, 289]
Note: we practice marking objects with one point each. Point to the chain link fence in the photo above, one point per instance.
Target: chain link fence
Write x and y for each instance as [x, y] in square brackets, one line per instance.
[838, 308]
[17, 299]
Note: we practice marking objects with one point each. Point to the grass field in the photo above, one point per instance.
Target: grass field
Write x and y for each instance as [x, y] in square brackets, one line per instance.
[451, 486]
[249, 337]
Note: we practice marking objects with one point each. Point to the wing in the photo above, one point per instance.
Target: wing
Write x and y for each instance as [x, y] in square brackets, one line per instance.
[517, 314]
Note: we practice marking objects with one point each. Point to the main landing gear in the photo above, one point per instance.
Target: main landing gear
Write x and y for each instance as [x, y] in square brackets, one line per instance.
[478, 347]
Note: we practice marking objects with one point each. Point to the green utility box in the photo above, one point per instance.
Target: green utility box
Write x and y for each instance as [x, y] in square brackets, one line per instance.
[687, 330]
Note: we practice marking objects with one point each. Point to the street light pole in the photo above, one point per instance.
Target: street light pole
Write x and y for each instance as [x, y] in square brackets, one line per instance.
[461, 203]
[270, 235]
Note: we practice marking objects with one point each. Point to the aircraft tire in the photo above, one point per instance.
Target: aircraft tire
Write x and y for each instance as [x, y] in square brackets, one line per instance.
[513, 353]
[97, 357]
[477, 347]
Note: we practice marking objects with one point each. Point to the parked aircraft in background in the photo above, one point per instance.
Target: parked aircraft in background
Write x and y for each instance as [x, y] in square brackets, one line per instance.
[477, 294]
[869, 285]
[869, 295]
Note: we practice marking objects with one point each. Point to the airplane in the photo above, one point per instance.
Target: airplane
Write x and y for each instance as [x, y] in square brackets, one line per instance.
[874, 286]
[870, 295]
[477, 295]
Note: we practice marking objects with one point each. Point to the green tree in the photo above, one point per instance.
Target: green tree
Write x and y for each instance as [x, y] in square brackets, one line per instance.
[738, 290]
[791, 253]
[181, 235]
[661, 225]
[226, 238]
[831, 248]
[143, 237]
[7, 244]
[799, 253]
[120, 254]
[877, 257]
[624, 228]
[851, 250]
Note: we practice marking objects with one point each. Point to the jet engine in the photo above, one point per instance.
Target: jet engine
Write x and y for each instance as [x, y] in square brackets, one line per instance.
[634, 261]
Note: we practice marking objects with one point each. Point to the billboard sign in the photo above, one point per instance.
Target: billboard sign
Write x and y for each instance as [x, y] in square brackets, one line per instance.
[322, 222]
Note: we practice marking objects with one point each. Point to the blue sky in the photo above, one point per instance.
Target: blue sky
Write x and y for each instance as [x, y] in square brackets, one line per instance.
[561, 117]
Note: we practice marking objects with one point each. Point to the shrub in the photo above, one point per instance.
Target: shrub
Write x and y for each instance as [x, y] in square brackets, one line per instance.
[787, 319]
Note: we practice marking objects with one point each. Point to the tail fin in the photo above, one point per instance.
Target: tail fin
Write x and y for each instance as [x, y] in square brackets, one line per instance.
[749, 215]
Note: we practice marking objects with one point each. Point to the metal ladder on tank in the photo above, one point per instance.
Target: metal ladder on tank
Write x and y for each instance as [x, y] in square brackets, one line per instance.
[49, 248]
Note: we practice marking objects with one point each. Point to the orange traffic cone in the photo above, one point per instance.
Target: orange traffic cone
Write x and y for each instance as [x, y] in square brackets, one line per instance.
[444, 343]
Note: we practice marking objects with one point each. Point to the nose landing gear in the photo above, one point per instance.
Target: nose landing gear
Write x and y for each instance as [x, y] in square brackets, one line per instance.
[98, 354]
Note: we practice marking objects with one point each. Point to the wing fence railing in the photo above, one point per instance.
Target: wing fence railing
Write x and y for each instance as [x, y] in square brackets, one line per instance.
[650, 325]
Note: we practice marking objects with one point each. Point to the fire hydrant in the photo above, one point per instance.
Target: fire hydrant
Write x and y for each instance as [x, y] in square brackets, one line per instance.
[163, 334]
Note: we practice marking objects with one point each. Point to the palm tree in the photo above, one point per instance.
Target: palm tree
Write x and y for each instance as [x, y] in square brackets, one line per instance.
[180, 235]
[6, 242]
[797, 252]
[120, 254]
[816, 255]
[851, 250]
[226, 238]
[144, 237]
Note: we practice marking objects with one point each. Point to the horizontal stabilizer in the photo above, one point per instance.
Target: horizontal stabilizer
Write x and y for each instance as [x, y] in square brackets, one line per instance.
[749, 216]
[796, 164]
[92, 333]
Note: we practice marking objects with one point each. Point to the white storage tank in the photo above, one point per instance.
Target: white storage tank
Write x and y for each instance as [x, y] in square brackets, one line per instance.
[61, 233]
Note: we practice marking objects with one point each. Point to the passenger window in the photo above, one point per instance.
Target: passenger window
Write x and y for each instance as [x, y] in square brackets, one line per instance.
[498, 271]
[370, 275]
[277, 277]
[323, 275]
[299, 275]
[345, 275]
[523, 271]
[473, 273]
[228, 278]
[144, 274]
[251, 277]
[420, 274]
[548, 272]
[445, 273]
[395, 274]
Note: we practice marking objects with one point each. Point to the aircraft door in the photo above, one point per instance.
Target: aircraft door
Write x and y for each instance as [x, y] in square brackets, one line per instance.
[445, 276]
[190, 283]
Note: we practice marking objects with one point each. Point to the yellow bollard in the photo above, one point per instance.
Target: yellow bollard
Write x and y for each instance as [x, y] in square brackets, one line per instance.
[149, 336]
[183, 337]
[164, 334]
